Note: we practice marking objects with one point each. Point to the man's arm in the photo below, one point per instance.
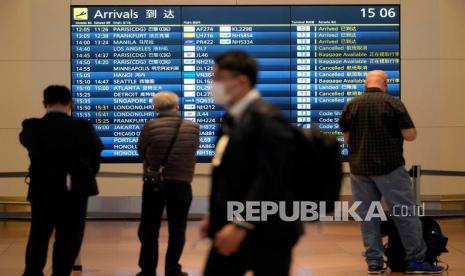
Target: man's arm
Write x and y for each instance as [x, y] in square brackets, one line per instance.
[346, 137]
[344, 123]
[27, 133]
[95, 147]
[407, 128]
[142, 141]
[197, 138]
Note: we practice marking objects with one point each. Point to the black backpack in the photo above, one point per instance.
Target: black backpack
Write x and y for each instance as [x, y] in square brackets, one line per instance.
[436, 243]
[317, 167]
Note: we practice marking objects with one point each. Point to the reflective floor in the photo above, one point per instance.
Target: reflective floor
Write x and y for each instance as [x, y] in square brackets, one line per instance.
[111, 248]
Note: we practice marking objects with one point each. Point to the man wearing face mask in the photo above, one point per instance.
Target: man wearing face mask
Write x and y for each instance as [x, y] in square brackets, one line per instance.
[65, 158]
[251, 164]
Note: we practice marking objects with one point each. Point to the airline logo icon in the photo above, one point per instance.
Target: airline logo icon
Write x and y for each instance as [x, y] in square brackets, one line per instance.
[189, 48]
[189, 28]
[189, 101]
[189, 94]
[189, 61]
[189, 81]
[189, 113]
[189, 74]
[189, 87]
[225, 28]
[80, 14]
[189, 35]
[189, 54]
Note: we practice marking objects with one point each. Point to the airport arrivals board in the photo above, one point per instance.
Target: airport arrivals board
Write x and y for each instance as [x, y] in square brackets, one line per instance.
[312, 59]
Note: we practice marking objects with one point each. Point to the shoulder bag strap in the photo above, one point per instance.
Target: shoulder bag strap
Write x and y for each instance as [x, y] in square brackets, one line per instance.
[170, 147]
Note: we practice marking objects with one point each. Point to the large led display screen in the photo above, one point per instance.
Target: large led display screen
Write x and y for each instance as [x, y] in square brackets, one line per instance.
[313, 60]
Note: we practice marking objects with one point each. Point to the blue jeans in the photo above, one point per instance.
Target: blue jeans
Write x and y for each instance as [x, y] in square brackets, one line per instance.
[395, 188]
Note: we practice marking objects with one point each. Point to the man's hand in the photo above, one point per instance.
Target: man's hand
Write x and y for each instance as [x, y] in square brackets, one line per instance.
[409, 134]
[204, 225]
[346, 137]
[229, 239]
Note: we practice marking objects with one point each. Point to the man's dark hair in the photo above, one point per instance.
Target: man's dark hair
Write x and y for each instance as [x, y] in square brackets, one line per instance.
[57, 94]
[238, 62]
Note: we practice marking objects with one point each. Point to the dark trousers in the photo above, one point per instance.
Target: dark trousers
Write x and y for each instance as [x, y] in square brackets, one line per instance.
[264, 259]
[177, 197]
[67, 216]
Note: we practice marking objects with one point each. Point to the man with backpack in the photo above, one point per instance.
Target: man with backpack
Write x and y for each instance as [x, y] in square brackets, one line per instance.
[251, 164]
[374, 127]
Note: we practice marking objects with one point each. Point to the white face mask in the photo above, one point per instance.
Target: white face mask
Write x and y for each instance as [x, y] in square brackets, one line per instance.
[219, 94]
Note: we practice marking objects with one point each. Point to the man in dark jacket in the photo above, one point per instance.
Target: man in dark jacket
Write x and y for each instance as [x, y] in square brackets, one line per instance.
[175, 192]
[65, 157]
[251, 164]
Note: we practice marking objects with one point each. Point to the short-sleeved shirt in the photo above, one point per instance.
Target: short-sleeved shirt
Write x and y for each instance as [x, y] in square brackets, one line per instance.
[374, 121]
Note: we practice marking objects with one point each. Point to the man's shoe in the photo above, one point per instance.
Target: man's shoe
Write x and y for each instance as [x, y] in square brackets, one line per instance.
[142, 274]
[414, 267]
[376, 269]
[181, 273]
